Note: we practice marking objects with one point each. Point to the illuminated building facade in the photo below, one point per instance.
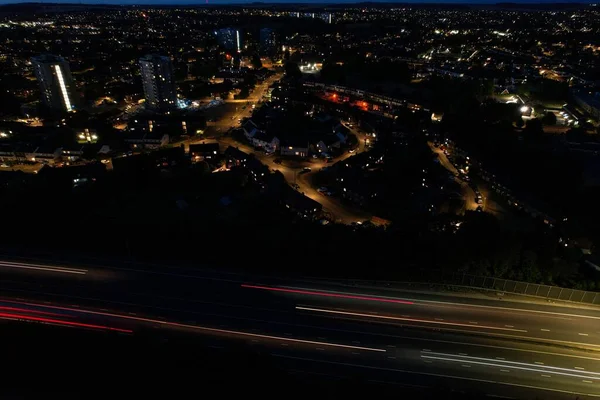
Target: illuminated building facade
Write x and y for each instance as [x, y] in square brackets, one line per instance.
[56, 83]
[159, 82]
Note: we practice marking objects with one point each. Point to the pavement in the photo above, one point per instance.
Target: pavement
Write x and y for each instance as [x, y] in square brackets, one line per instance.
[507, 349]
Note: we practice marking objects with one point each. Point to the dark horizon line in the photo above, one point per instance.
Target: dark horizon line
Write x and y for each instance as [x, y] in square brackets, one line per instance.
[200, 3]
[374, 2]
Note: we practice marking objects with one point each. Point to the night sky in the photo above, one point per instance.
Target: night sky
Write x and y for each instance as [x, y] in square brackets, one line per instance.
[125, 2]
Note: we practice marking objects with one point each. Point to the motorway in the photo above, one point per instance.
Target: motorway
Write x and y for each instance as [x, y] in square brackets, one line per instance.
[515, 350]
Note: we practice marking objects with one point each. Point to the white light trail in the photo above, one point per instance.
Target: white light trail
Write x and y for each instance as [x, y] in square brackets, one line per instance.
[39, 267]
[406, 319]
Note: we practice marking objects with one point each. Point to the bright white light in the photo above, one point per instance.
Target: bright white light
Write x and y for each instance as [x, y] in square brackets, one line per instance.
[524, 109]
[237, 34]
[63, 88]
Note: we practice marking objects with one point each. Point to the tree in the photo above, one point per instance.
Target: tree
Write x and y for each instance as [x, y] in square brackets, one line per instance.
[549, 118]
[534, 128]
[256, 62]
[519, 122]
[576, 135]
[244, 93]
[292, 70]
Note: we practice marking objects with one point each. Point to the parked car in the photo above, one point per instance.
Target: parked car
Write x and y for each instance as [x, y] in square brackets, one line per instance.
[306, 169]
[277, 161]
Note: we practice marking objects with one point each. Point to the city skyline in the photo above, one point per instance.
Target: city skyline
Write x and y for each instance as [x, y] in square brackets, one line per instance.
[290, 2]
[379, 198]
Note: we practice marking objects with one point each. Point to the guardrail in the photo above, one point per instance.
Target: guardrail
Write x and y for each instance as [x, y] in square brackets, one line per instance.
[523, 288]
[463, 280]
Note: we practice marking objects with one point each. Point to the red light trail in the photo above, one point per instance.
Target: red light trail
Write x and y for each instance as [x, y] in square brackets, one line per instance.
[27, 311]
[180, 325]
[61, 322]
[326, 294]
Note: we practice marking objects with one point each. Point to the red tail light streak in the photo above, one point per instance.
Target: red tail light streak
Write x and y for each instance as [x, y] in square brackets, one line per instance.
[59, 322]
[180, 325]
[329, 294]
[27, 311]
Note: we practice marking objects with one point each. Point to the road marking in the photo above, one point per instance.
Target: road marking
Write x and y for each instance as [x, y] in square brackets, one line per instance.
[500, 358]
[546, 376]
[504, 370]
[583, 334]
[446, 303]
[40, 267]
[473, 322]
[540, 363]
[391, 358]
[322, 310]
[439, 319]
[579, 368]
[509, 326]
[546, 330]
[438, 375]
[390, 345]
[160, 320]
[327, 293]
[462, 354]
[515, 365]
[587, 381]
[466, 366]
[426, 350]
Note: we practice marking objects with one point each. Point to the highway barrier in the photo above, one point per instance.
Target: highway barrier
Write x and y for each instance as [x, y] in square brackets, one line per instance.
[433, 279]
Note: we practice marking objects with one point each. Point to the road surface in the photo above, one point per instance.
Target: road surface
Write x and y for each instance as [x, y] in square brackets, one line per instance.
[292, 171]
[515, 350]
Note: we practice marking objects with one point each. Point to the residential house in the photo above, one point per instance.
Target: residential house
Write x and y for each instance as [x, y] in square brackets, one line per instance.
[235, 157]
[68, 178]
[250, 129]
[268, 141]
[328, 144]
[72, 153]
[146, 140]
[204, 151]
[174, 124]
[296, 148]
[342, 133]
[302, 205]
[46, 155]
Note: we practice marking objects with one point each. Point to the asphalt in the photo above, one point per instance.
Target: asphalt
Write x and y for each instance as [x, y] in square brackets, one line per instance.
[515, 350]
